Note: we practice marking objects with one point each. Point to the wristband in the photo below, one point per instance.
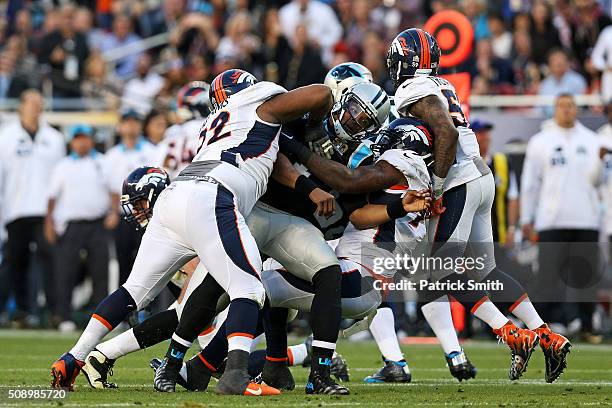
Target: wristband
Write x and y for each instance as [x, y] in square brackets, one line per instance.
[438, 186]
[304, 185]
[396, 210]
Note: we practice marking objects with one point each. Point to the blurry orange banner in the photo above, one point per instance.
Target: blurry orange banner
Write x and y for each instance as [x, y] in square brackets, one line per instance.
[463, 84]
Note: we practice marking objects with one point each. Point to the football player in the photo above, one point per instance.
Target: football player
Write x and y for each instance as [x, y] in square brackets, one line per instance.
[211, 197]
[181, 141]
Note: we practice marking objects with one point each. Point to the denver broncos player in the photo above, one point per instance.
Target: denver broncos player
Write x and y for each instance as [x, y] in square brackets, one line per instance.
[463, 188]
[181, 141]
[202, 214]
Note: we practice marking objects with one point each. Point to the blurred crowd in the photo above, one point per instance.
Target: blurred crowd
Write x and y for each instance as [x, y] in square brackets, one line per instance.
[93, 48]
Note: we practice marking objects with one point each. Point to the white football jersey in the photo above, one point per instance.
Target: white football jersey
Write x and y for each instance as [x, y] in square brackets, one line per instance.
[400, 236]
[179, 146]
[245, 144]
[412, 90]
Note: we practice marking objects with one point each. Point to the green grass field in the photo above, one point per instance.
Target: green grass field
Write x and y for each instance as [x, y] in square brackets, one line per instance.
[25, 358]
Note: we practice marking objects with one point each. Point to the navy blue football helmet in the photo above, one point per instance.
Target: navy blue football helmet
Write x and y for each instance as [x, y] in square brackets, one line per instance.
[140, 190]
[406, 134]
[412, 53]
[228, 83]
[192, 100]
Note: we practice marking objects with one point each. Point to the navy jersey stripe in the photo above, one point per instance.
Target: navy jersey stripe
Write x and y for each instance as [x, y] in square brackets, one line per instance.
[227, 228]
[258, 141]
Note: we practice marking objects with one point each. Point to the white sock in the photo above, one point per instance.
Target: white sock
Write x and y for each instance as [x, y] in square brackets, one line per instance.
[524, 310]
[383, 331]
[239, 342]
[486, 311]
[297, 354]
[91, 336]
[120, 345]
[438, 315]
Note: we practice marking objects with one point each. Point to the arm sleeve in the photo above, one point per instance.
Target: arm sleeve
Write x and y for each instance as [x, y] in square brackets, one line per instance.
[55, 184]
[598, 56]
[531, 180]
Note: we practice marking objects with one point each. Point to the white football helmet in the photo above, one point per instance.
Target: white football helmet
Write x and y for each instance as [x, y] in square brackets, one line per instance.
[362, 108]
[345, 75]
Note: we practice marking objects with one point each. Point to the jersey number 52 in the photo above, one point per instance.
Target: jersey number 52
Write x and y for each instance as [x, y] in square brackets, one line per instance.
[216, 128]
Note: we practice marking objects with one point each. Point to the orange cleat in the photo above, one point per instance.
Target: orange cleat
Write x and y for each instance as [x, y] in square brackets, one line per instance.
[257, 390]
[556, 348]
[65, 371]
[522, 342]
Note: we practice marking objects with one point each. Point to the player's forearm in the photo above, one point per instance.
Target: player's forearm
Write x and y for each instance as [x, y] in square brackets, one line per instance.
[284, 172]
[369, 216]
[50, 208]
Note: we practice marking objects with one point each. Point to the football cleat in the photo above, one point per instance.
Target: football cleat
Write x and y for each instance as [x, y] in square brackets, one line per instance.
[277, 375]
[64, 372]
[166, 376]
[522, 342]
[97, 368]
[339, 368]
[308, 344]
[392, 372]
[191, 377]
[320, 382]
[556, 348]
[256, 390]
[460, 366]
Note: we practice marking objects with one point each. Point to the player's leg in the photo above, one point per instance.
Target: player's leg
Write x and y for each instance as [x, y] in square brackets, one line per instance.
[520, 341]
[160, 255]
[302, 250]
[508, 290]
[196, 312]
[395, 367]
[220, 236]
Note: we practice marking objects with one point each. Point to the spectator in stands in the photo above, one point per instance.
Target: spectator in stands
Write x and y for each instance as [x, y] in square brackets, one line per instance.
[496, 71]
[139, 92]
[29, 148]
[561, 79]
[11, 83]
[239, 41]
[526, 72]
[97, 84]
[161, 20]
[64, 50]
[374, 59]
[564, 15]
[195, 34]
[475, 11]
[559, 203]
[198, 69]
[78, 211]
[588, 23]
[501, 39]
[122, 35]
[305, 66]
[154, 126]
[132, 152]
[360, 23]
[276, 52]
[83, 23]
[602, 61]
[320, 21]
[544, 35]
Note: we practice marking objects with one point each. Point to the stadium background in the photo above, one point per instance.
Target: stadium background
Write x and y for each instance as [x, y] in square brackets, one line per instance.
[94, 60]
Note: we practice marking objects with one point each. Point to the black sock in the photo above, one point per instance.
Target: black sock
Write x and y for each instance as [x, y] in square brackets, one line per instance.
[326, 309]
[275, 325]
[156, 328]
[115, 307]
[321, 358]
[176, 352]
[200, 309]
[510, 290]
